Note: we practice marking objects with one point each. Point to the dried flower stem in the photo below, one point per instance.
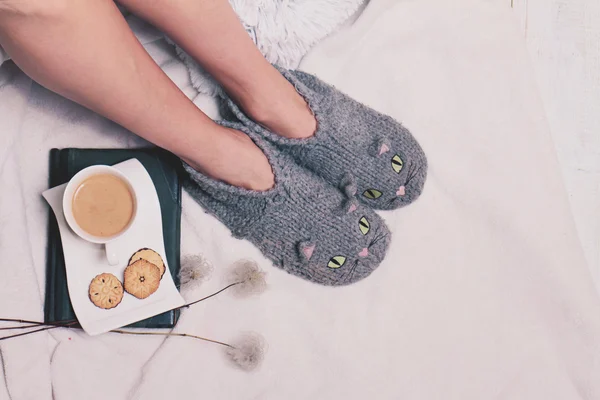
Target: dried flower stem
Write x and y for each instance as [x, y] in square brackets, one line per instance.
[70, 323]
[45, 328]
[50, 325]
[207, 297]
[18, 327]
[26, 321]
[171, 334]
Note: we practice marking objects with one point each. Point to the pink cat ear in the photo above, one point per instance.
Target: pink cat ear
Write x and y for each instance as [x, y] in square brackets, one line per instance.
[379, 146]
[351, 205]
[383, 149]
[308, 251]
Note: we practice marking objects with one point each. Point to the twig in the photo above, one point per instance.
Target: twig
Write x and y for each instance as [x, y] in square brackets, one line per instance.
[172, 334]
[46, 328]
[207, 297]
[26, 321]
[69, 323]
[18, 327]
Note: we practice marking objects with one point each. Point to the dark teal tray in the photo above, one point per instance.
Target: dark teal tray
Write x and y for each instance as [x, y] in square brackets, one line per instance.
[165, 170]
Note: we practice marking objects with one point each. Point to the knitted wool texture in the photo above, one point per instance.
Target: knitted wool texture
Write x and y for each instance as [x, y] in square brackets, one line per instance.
[353, 144]
[304, 225]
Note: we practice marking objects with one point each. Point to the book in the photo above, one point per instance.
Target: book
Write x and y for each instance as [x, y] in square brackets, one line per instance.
[166, 172]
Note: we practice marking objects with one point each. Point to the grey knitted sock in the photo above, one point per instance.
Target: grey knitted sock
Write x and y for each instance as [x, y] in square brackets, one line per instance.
[353, 144]
[303, 224]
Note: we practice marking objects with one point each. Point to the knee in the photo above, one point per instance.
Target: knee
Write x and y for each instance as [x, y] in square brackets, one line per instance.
[37, 8]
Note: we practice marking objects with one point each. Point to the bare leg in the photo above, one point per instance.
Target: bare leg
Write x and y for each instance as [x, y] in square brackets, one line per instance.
[210, 31]
[84, 50]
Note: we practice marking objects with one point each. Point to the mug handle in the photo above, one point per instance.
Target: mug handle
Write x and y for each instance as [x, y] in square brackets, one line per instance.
[111, 253]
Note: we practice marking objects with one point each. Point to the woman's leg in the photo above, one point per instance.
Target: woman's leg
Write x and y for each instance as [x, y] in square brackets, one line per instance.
[210, 31]
[84, 50]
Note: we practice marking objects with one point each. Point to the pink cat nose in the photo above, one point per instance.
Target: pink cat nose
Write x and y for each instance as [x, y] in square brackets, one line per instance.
[401, 191]
[364, 252]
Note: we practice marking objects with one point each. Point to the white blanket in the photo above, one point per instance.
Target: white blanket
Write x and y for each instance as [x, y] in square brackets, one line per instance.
[484, 293]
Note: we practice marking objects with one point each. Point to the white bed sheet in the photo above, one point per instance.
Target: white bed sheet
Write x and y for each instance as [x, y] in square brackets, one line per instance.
[484, 293]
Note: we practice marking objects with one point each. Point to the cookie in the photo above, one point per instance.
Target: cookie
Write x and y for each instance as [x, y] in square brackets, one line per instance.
[106, 291]
[142, 278]
[151, 256]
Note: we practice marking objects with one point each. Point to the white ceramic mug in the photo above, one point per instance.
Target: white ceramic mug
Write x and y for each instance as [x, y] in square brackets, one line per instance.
[72, 186]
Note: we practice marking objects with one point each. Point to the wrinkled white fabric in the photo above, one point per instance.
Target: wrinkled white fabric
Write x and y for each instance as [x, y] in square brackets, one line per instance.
[484, 293]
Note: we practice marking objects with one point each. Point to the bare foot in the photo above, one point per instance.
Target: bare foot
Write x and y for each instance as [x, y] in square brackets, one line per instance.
[277, 105]
[235, 159]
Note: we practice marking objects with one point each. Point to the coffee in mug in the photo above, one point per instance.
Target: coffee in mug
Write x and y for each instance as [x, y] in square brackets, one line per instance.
[103, 205]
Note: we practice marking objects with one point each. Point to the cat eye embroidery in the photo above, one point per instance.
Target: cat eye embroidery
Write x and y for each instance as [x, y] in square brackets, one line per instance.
[372, 194]
[336, 262]
[364, 226]
[397, 163]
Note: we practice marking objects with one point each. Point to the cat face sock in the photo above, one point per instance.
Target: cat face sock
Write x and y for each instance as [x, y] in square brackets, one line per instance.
[304, 225]
[353, 145]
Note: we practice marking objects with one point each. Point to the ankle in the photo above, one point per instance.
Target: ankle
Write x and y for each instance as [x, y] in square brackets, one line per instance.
[277, 106]
[290, 117]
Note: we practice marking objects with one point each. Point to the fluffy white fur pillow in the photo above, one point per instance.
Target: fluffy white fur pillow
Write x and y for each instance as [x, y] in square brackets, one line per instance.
[283, 30]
